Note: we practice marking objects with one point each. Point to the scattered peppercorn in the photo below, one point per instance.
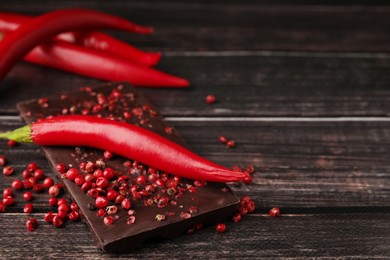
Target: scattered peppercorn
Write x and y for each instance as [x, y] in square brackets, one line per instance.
[274, 212]
[28, 208]
[12, 143]
[3, 160]
[8, 170]
[231, 144]
[27, 196]
[210, 99]
[221, 228]
[31, 224]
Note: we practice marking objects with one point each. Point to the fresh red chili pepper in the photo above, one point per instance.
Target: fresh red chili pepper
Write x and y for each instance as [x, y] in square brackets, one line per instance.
[94, 40]
[92, 63]
[44, 27]
[128, 140]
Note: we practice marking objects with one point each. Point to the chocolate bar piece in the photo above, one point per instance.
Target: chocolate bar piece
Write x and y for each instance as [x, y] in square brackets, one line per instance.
[187, 204]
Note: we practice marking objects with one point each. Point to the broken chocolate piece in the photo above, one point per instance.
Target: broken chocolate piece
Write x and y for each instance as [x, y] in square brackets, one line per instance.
[157, 210]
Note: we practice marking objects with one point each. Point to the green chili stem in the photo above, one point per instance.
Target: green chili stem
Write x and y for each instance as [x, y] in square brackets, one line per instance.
[20, 135]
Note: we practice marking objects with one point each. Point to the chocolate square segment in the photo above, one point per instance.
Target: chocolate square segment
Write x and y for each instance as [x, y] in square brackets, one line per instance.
[190, 203]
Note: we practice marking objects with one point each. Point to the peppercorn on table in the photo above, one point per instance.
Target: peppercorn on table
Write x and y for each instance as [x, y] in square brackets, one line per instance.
[300, 91]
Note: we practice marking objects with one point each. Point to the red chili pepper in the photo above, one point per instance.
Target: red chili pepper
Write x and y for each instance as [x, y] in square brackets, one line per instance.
[94, 40]
[92, 63]
[42, 28]
[128, 140]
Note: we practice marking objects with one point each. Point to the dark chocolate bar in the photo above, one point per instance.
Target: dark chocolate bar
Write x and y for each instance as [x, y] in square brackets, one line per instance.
[197, 203]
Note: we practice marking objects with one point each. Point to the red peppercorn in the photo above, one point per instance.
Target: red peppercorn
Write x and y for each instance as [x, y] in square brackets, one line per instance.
[109, 220]
[49, 217]
[32, 180]
[108, 173]
[61, 168]
[243, 210]
[62, 214]
[17, 184]
[86, 186]
[111, 210]
[119, 199]
[7, 192]
[141, 179]
[93, 192]
[72, 173]
[8, 170]
[62, 201]
[31, 224]
[28, 208]
[54, 190]
[98, 173]
[3, 160]
[111, 195]
[101, 213]
[210, 99]
[107, 154]
[58, 221]
[32, 166]
[38, 188]
[101, 202]
[79, 180]
[126, 203]
[89, 177]
[48, 182]
[74, 206]
[26, 174]
[27, 196]
[223, 139]
[231, 144]
[251, 206]
[62, 207]
[74, 216]
[8, 201]
[12, 143]
[247, 180]
[236, 217]
[53, 202]
[90, 167]
[2, 207]
[274, 212]
[221, 228]
[39, 174]
[102, 182]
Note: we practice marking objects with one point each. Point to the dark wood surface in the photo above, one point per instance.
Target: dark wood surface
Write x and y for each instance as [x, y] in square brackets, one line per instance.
[304, 90]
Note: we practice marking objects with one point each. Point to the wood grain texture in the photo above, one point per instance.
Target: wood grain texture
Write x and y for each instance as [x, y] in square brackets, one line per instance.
[298, 165]
[256, 236]
[232, 25]
[248, 85]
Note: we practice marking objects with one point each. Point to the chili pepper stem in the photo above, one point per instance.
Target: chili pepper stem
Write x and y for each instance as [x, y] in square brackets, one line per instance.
[20, 135]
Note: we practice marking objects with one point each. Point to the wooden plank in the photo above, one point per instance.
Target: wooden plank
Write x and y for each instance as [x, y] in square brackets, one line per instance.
[256, 236]
[298, 164]
[245, 85]
[204, 25]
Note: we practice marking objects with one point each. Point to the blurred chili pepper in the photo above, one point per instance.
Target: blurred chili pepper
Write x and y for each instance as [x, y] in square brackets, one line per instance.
[92, 63]
[44, 27]
[94, 40]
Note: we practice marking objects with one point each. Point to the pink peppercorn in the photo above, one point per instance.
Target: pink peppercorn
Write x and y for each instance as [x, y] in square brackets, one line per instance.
[8, 170]
[274, 212]
[27, 196]
[210, 99]
[31, 224]
[3, 160]
[28, 208]
[221, 228]
[12, 143]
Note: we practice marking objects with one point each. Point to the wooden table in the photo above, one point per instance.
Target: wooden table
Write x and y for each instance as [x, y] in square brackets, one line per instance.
[303, 89]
